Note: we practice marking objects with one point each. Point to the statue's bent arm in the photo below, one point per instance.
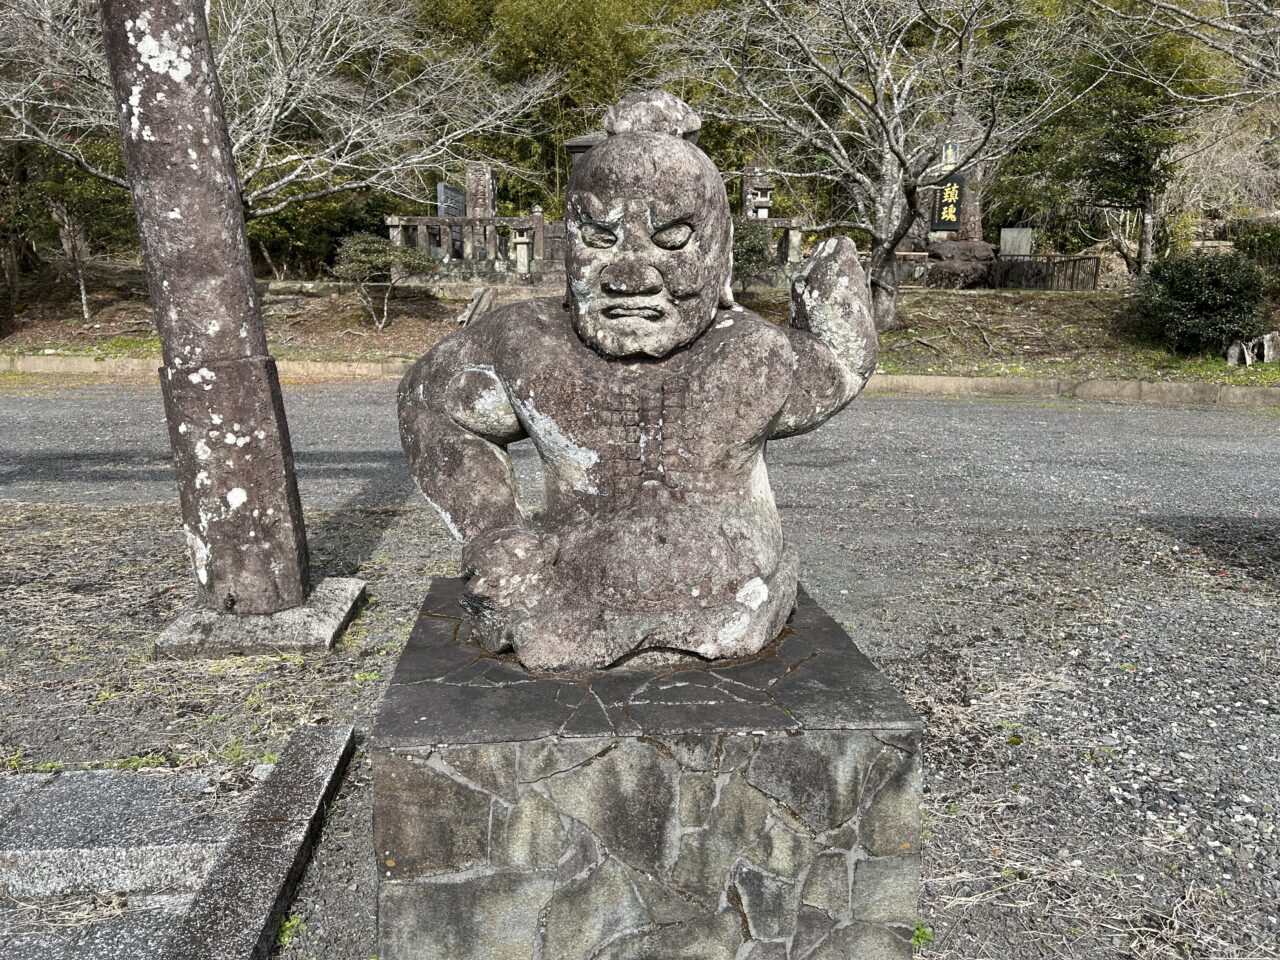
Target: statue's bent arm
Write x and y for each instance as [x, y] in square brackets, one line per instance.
[455, 425]
[833, 337]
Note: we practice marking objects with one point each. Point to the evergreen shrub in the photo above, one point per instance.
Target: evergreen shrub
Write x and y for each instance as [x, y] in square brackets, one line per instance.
[753, 250]
[1202, 301]
[1260, 242]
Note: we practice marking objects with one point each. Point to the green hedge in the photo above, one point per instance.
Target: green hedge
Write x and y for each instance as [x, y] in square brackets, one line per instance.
[1260, 242]
[1203, 301]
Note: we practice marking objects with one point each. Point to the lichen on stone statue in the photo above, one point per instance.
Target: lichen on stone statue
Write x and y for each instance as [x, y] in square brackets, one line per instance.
[649, 396]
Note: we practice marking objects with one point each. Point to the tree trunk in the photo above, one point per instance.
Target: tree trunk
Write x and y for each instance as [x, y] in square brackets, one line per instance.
[386, 304]
[8, 298]
[1147, 235]
[74, 245]
[882, 272]
[271, 264]
[85, 312]
[230, 440]
[9, 271]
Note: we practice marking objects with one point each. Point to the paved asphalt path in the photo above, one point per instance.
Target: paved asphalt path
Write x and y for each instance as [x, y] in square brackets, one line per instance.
[1100, 578]
[890, 484]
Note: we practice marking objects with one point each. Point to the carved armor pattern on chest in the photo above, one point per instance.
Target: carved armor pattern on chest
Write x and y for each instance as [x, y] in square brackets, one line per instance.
[639, 431]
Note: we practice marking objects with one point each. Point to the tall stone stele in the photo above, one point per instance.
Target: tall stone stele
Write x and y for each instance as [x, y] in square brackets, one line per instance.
[649, 395]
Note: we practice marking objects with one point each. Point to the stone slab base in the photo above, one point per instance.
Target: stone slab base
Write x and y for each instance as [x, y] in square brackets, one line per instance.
[766, 809]
[316, 625]
[86, 831]
[116, 865]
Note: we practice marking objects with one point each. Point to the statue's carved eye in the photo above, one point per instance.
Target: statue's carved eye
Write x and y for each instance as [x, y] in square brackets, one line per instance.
[673, 237]
[594, 235]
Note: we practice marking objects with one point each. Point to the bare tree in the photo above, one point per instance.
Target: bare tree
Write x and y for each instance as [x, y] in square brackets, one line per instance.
[863, 95]
[322, 96]
[1244, 31]
[1229, 160]
[76, 249]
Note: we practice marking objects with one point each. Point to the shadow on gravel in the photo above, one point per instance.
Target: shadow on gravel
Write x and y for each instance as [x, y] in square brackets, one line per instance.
[341, 538]
[1249, 544]
[104, 466]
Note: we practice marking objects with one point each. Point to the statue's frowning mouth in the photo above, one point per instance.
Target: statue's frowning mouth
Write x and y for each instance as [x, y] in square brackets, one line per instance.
[648, 311]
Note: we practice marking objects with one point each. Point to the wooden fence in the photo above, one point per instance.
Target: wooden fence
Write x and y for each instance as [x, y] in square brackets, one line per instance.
[524, 244]
[1046, 272]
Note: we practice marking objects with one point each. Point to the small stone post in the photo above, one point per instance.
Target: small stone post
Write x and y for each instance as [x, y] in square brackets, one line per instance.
[794, 238]
[231, 448]
[539, 234]
[522, 242]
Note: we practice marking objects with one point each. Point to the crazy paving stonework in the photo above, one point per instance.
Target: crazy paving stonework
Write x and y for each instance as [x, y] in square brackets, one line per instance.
[764, 809]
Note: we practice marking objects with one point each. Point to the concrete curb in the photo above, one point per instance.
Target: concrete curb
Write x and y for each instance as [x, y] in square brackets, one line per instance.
[237, 912]
[1131, 391]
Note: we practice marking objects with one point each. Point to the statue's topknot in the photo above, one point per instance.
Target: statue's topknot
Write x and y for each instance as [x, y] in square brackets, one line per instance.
[653, 111]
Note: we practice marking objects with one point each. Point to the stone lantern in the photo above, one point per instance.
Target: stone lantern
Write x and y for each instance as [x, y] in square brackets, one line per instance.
[757, 193]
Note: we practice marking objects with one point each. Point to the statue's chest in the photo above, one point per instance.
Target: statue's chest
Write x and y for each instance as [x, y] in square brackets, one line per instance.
[628, 430]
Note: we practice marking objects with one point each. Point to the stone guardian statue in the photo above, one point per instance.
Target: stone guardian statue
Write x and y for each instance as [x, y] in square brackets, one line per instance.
[649, 396]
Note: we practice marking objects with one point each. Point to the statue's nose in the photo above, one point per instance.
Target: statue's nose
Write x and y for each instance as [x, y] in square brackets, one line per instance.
[631, 276]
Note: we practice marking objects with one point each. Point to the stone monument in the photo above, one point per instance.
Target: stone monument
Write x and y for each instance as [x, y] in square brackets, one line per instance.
[481, 191]
[620, 736]
[649, 396]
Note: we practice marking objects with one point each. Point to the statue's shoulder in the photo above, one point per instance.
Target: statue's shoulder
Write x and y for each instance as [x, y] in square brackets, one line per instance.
[517, 322]
[519, 314]
[751, 332]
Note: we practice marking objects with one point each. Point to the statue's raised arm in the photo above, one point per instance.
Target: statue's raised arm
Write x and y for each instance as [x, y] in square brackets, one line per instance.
[833, 335]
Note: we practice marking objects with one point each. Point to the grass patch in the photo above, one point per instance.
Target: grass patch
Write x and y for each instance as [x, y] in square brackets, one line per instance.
[146, 761]
[1038, 335]
[290, 927]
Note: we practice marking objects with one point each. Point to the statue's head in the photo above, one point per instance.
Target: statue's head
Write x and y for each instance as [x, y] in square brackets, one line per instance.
[649, 237]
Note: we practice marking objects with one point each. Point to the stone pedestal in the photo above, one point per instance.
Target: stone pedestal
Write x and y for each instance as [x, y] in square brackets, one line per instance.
[315, 625]
[765, 809]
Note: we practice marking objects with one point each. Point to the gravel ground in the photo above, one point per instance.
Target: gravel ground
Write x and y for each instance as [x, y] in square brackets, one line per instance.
[1080, 598]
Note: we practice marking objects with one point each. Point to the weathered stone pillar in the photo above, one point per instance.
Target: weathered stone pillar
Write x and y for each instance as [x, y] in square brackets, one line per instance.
[231, 448]
[539, 234]
[794, 239]
[971, 205]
